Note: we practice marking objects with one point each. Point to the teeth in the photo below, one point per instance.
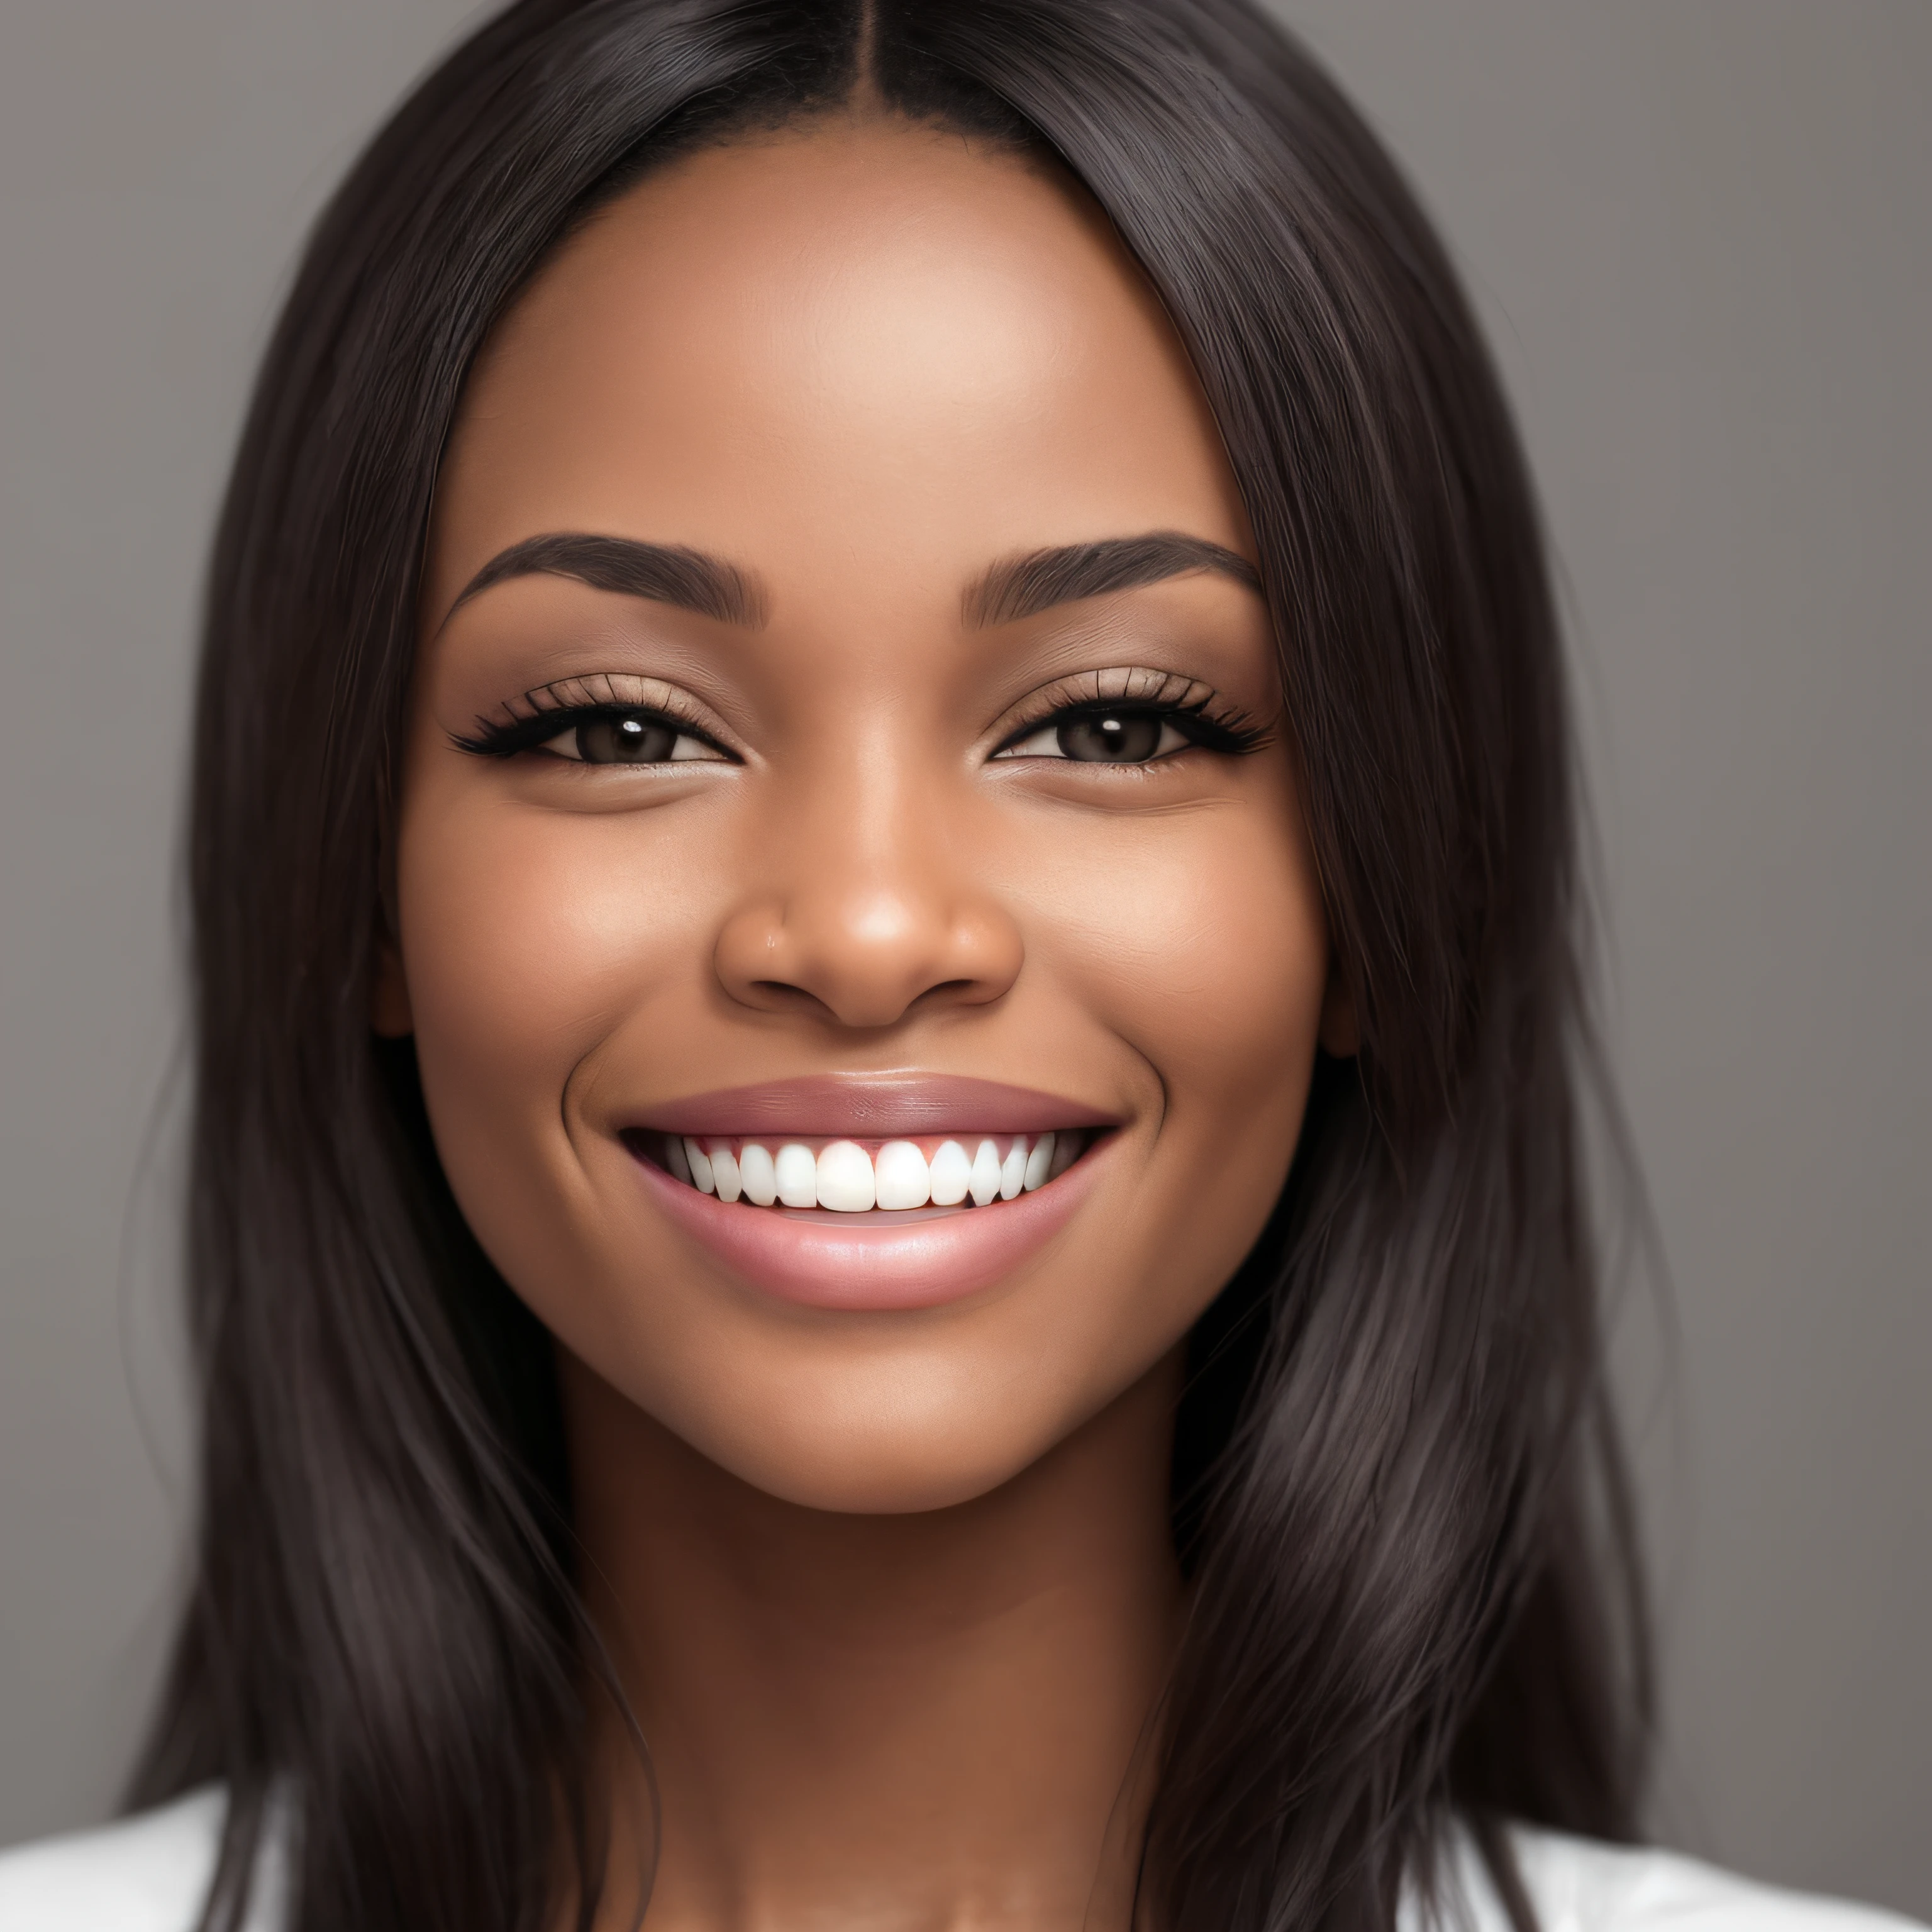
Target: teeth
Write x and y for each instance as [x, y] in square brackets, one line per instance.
[797, 1173]
[904, 1180]
[846, 1182]
[952, 1175]
[1012, 1170]
[1037, 1162]
[700, 1166]
[843, 1176]
[756, 1172]
[985, 1181]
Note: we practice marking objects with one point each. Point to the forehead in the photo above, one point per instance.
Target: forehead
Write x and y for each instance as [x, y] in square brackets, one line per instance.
[866, 338]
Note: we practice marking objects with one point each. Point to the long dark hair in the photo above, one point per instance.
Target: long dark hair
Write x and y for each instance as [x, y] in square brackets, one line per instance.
[1396, 1486]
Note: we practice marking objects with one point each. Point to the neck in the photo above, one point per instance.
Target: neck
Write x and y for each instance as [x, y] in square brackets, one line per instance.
[936, 1723]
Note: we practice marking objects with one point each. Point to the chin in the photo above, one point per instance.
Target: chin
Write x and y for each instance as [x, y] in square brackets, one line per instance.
[902, 1458]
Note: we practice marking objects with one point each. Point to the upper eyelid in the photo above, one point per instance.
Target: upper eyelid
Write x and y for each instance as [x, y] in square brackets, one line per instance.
[1125, 684]
[1138, 684]
[1141, 685]
[610, 691]
[604, 691]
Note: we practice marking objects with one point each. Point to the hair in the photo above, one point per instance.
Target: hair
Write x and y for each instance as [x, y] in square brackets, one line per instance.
[1397, 1484]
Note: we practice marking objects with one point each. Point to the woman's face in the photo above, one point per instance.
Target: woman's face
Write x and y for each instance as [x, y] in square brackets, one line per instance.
[871, 791]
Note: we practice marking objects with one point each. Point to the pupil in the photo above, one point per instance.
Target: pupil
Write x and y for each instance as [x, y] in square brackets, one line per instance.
[625, 741]
[1118, 738]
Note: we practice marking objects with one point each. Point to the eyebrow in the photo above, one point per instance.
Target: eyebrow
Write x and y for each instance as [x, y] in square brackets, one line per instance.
[666, 573]
[1014, 588]
[1022, 586]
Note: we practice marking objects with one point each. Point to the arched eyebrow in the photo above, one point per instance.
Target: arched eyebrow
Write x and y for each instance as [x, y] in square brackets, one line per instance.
[666, 573]
[1022, 587]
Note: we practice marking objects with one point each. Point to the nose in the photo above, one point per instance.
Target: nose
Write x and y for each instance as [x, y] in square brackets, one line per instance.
[865, 915]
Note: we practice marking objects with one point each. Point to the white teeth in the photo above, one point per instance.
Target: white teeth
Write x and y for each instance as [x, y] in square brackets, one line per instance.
[846, 1183]
[796, 1171]
[1038, 1162]
[952, 1176]
[1012, 1170]
[904, 1179]
[701, 1165]
[985, 1180]
[755, 1171]
[842, 1176]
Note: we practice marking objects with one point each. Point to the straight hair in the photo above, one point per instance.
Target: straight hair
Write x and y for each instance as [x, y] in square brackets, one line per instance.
[1397, 1489]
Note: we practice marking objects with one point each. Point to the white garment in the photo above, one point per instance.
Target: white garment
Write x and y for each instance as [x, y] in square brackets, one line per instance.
[150, 1873]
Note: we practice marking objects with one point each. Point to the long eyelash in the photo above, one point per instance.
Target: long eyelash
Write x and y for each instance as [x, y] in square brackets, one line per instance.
[527, 723]
[1228, 729]
[1207, 720]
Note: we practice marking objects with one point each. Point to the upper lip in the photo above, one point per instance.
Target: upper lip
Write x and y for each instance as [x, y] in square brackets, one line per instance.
[872, 1106]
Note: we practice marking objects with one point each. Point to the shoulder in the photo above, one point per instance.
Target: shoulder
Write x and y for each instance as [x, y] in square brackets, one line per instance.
[1578, 1885]
[148, 1873]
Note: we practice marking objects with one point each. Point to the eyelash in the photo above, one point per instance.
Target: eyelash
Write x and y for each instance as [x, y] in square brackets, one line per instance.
[541, 716]
[1196, 713]
[1221, 728]
[1227, 732]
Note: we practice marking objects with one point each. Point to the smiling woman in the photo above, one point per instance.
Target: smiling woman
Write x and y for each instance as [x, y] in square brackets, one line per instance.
[898, 770]
[888, 1224]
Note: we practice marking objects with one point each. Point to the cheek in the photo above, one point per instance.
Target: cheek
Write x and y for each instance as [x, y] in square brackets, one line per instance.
[1207, 951]
[527, 938]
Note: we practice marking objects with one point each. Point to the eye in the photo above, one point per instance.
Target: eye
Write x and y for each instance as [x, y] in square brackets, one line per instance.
[628, 738]
[1121, 736]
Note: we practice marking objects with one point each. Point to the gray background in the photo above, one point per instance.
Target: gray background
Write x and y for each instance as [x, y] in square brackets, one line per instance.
[1699, 231]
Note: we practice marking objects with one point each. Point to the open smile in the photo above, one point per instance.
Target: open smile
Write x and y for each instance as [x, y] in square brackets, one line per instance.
[911, 1191]
[848, 1177]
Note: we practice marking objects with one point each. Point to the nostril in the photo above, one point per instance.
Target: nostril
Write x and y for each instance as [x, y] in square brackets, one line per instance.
[946, 989]
[783, 993]
[831, 963]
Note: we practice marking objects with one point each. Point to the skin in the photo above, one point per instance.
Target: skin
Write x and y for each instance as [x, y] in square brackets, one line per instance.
[891, 1593]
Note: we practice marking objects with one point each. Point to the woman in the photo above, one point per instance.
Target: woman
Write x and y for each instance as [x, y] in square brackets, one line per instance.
[888, 1220]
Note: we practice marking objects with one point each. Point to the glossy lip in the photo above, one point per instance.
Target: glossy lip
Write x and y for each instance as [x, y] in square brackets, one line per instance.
[871, 1107]
[874, 1263]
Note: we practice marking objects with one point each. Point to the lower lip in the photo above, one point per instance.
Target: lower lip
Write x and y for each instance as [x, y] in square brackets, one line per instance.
[875, 1262]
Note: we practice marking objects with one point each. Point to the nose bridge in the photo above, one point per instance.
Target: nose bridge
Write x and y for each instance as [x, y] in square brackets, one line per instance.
[866, 908]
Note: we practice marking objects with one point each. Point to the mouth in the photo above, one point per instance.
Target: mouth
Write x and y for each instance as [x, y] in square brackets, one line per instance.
[912, 1192]
[844, 1177]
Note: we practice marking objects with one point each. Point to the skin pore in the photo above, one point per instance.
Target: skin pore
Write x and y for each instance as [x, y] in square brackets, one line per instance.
[899, 466]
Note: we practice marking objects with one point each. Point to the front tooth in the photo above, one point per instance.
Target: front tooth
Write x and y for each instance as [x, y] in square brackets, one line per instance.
[952, 1175]
[797, 1173]
[985, 1181]
[755, 1172]
[845, 1179]
[1038, 1162]
[726, 1172]
[902, 1178]
[701, 1165]
[1013, 1169]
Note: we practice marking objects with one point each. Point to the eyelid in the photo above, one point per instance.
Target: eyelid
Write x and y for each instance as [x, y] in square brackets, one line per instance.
[1138, 687]
[567, 699]
[576, 717]
[1162, 749]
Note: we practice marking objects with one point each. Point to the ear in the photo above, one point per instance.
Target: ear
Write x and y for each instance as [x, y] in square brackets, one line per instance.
[389, 1012]
[1340, 1035]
